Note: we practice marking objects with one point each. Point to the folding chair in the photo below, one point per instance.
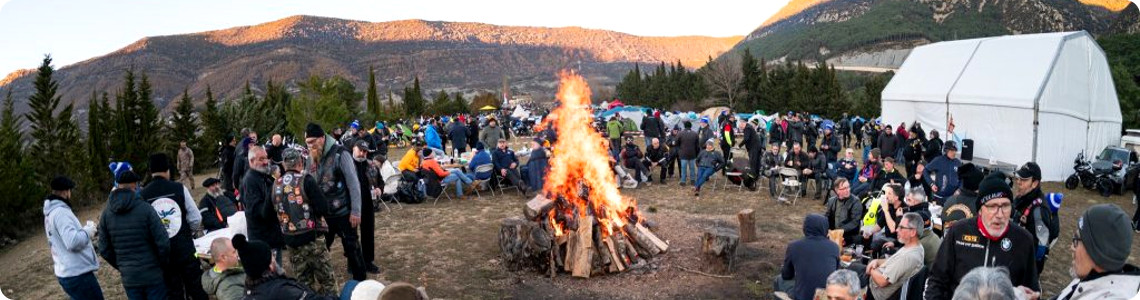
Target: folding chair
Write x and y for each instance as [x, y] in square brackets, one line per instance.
[430, 178]
[739, 164]
[483, 169]
[442, 193]
[790, 185]
[497, 180]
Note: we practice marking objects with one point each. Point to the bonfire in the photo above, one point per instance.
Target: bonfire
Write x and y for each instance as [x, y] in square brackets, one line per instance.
[580, 223]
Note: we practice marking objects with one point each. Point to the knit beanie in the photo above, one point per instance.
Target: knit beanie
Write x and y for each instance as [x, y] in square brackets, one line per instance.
[254, 255]
[313, 131]
[994, 187]
[970, 176]
[159, 162]
[1106, 233]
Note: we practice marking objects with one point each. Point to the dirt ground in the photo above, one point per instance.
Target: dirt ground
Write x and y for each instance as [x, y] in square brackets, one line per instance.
[452, 249]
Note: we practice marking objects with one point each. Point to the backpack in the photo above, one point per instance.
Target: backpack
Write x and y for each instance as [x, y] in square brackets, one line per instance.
[408, 190]
[1047, 222]
[293, 213]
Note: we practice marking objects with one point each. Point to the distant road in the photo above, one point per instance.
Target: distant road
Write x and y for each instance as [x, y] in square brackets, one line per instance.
[866, 69]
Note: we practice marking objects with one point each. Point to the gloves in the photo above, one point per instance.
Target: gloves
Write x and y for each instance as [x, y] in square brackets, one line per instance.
[90, 229]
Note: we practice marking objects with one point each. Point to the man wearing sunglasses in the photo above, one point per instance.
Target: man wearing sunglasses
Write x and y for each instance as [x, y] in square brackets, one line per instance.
[888, 275]
[1100, 253]
[986, 241]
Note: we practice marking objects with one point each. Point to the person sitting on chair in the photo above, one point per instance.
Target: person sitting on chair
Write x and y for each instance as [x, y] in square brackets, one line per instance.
[708, 162]
[816, 170]
[656, 155]
[507, 164]
[447, 176]
[631, 157]
[771, 165]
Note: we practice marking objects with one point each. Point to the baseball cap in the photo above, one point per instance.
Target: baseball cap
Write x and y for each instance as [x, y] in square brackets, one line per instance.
[1029, 170]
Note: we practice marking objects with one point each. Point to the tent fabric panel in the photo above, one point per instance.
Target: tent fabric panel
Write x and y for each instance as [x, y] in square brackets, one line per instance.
[1008, 71]
[1105, 106]
[994, 130]
[930, 71]
[1068, 88]
[1060, 139]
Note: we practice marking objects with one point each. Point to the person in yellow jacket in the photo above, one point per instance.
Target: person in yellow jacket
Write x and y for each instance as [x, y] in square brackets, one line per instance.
[411, 160]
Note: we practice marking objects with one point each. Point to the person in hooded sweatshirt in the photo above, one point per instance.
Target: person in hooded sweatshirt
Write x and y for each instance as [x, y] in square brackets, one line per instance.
[133, 240]
[808, 261]
[1100, 256]
[70, 242]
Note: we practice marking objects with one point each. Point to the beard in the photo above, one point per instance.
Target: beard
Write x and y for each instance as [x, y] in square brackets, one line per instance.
[214, 194]
[263, 169]
[1073, 272]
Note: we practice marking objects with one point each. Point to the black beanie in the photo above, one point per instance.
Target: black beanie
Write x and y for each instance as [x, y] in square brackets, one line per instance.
[62, 183]
[254, 255]
[314, 131]
[1106, 233]
[993, 187]
[159, 163]
[970, 176]
[479, 146]
[426, 152]
[128, 176]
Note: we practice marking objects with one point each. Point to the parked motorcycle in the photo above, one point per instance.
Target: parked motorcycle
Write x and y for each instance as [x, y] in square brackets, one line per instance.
[1092, 175]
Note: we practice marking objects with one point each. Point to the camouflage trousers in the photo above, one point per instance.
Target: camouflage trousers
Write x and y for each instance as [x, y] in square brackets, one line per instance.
[312, 268]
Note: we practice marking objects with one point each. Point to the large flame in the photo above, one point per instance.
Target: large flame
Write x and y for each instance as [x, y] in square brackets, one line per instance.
[581, 160]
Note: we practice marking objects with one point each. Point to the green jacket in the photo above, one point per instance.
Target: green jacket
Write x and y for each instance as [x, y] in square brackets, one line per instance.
[613, 128]
[228, 285]
[628, 125]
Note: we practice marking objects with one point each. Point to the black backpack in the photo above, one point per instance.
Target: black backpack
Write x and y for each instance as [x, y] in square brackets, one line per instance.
[407, 191]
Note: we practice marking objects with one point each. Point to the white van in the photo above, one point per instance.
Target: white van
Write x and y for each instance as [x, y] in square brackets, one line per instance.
[1131, 140]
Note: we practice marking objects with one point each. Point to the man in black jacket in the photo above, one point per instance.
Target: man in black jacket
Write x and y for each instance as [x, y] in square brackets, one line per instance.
[227, 159]
[175, 205]
[256, 197]
[673, 142]
[989, 240]
[1032, 213]
[656, 156]
[754, 143]
[367, 211]
[690, 146]
[241, 164]
[133, 240]
[336, 174]
[652, 127]
[963, 205]
[263, 274]
[816, 170]
[845, 212]
[216, 206]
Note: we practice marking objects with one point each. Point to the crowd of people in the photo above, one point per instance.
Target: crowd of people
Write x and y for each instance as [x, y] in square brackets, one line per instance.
[906, 208]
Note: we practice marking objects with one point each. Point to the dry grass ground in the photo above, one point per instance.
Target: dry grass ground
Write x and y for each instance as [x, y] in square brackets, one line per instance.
[452, 249]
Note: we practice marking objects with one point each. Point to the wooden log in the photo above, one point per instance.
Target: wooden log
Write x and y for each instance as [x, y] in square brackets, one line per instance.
[718, 250]
[519, 243]
[537, 207]
[584, 248]
[571, 250]
[617, 264]
[747, 225]
[661, 245]
[645, 248]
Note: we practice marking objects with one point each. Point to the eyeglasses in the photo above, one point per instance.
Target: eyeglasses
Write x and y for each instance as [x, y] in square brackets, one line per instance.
[1076, 240]
[905, 227]
[1002, 207]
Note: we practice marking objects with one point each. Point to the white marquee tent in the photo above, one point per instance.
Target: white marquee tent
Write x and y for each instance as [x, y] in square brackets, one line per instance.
[1035, 97]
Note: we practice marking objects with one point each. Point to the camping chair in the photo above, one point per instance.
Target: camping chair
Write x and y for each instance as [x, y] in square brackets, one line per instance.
[391, 184]
[478, 182]
[497, 180]
[790, 185]
[735, 171]
[433, 183]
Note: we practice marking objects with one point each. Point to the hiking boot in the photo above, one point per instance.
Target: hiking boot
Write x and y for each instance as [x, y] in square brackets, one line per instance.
[372, 268]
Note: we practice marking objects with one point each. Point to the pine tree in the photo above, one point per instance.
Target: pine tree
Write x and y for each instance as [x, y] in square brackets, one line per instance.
[319, 102]
[15, 181]
[98, 119]
[123, 130]
[274, 108]
[373, 101]
[47, 143]
[214, 130]
[414, 99]
[751, 80]
[183, 124]
[149, 124]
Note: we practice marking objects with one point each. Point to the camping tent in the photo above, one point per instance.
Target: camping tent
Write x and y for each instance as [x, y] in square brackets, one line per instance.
[1037, 97]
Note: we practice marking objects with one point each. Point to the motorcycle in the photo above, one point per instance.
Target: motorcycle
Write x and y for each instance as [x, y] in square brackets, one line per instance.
[1092, 175]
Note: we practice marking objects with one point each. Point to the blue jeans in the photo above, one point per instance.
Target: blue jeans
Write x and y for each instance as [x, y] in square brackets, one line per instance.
[459, 178]
[703, 175]
[84, 286]
[153, 292]
[688, 170]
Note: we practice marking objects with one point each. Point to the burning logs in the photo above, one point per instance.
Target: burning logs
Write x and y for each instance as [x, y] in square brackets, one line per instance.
[554, 238]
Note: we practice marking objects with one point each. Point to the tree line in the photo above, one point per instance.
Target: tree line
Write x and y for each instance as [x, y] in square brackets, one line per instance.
[125, 125]
[747, 83]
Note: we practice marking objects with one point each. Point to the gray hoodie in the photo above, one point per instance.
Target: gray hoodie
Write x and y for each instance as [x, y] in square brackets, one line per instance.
[71, 248]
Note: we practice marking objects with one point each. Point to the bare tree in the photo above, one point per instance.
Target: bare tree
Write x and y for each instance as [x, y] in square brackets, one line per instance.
[725, 79]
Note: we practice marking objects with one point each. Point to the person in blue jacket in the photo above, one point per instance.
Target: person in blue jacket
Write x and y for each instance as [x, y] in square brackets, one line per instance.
[941, 173]
[431, 136]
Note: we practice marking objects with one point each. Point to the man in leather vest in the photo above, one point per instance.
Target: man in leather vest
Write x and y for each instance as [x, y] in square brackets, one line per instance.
[336, 174]
[182, 220]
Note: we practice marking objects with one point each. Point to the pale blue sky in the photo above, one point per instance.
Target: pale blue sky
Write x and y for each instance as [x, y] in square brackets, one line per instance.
[75, 30]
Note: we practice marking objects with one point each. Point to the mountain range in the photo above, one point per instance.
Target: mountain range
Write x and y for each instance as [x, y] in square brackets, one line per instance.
[879, 33]
[444, 55]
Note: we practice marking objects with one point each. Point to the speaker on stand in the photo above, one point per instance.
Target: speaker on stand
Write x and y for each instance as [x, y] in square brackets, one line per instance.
[966, 151]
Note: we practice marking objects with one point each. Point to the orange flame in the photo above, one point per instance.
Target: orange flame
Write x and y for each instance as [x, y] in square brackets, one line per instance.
[581, 159]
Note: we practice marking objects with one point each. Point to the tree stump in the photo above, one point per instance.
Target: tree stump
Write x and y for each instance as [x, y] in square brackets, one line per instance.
[718, 250]
[747, 225]
[523, 244]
